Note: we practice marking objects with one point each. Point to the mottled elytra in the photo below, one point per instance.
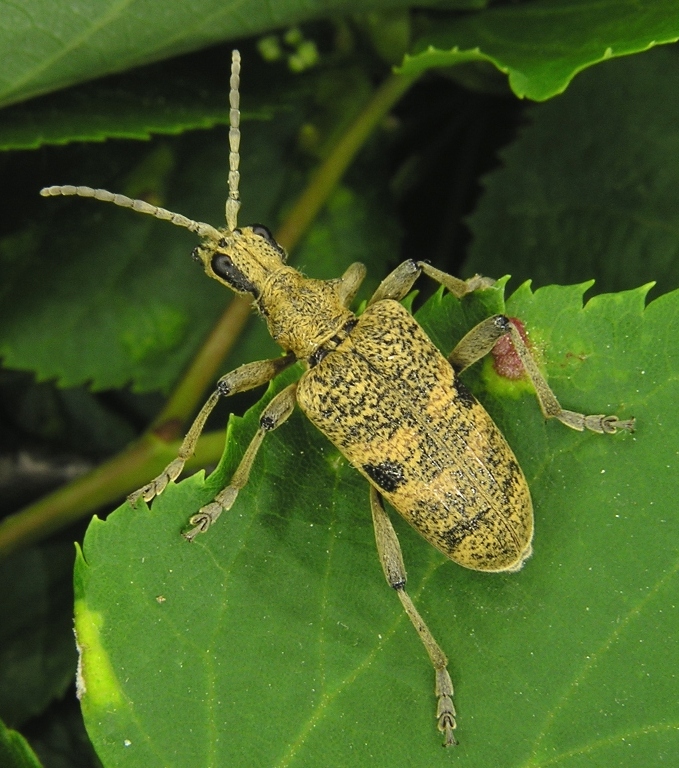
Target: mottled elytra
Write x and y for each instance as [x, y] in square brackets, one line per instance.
[378, 388]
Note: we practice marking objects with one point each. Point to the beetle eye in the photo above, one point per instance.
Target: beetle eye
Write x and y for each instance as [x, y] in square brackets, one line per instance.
[262, 231]
[265, 232]
[222, 265]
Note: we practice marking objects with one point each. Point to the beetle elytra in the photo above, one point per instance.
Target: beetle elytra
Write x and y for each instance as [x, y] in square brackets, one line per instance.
[383, 394]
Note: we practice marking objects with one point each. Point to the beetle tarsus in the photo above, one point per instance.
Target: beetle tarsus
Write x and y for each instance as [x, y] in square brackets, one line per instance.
[611, 424]
[203, 519]
[157, 486]
[445, 711]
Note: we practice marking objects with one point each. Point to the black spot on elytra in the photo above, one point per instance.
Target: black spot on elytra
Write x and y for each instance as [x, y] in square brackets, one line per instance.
[388, 475]
[457, 533]
[463, 394]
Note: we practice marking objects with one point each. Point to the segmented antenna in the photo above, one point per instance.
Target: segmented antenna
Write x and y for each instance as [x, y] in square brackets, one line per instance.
[202, 229]
[233, 200]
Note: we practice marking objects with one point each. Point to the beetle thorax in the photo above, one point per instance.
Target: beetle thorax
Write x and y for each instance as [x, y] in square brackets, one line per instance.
[301, 313]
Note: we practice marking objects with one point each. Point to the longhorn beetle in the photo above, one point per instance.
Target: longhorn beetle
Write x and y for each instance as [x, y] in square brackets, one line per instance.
[379, 389]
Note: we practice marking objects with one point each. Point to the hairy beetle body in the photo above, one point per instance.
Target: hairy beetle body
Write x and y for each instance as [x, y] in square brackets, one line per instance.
[392, 404]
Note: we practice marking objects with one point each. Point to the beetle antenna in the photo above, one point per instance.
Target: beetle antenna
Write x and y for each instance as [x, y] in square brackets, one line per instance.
[200, 228]
[233, 200]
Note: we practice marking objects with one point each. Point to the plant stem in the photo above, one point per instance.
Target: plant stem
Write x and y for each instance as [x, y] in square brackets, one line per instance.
[103, 485]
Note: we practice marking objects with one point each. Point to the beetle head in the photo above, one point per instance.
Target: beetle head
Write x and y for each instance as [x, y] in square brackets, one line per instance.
[242, 259]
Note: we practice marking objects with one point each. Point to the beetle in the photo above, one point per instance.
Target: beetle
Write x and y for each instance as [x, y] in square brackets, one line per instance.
[377, 387]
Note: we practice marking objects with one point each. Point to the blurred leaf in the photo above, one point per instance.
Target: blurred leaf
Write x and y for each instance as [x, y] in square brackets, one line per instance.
[170, 97]
[274, 639]
[15, 751]
[37, 651]
[59, 738]
[543, 44]
[73, 420]
[122, 301]
[125, 108]
[591, 186]
[46, 46]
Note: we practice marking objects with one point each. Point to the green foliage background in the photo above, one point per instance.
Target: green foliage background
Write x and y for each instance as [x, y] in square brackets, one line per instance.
[279, 633]
[276, 640]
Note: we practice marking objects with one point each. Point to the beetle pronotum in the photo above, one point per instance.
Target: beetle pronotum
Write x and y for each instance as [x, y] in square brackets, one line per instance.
[378, 388]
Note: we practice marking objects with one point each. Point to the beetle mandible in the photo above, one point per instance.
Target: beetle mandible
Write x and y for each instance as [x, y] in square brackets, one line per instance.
[380, 390]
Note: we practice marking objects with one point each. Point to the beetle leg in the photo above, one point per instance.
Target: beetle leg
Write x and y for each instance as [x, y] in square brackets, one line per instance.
[397, 284]
[246, 377]
[347, 286]
[391, 558]
[481, 340]
[275, 414]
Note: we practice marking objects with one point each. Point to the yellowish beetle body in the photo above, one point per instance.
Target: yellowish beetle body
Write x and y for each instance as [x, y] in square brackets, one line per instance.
[392, 404]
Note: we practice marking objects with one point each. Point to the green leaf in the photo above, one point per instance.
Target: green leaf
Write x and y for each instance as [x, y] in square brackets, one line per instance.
[590, 189]
[274, 640]
[542, 45]
[171, 97]
[15, 751]
[120, 109]
[45, 46]
[37, 653]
